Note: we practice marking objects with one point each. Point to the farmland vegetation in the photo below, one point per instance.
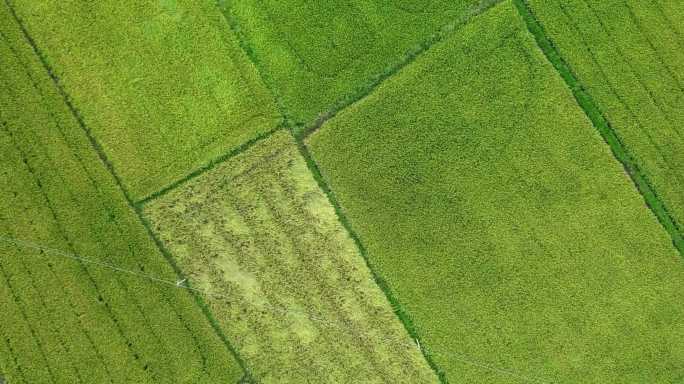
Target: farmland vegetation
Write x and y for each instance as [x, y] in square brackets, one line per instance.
[358, 191]
[630, 57]
[284, 278]
[163, 85]
[316, 54]
[501, 221]
[64, 320]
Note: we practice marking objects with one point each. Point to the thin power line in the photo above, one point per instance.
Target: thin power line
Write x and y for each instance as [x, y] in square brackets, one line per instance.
[181, 285]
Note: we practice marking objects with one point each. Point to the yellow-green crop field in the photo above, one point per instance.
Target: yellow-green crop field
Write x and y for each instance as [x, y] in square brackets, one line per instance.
[358, 191]
[285, 280]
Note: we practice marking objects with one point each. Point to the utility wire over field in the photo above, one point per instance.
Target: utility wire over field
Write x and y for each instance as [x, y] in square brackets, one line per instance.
[358, 191]
[222, 299]
[257, 234]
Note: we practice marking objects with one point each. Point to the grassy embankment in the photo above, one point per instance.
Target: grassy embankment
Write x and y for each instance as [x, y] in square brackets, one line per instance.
[317, 56]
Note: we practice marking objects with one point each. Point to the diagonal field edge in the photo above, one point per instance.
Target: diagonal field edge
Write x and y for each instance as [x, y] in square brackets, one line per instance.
[598, 119]
[397, 308]
[208, 166]
[108, 165]
[250, 53]
[301, 135]
[409, 57]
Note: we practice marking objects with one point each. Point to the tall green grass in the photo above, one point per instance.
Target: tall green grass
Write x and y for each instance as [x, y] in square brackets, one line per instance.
[501, 221]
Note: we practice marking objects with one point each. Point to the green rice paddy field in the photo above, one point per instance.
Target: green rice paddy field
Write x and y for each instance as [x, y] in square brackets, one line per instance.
[65, 319]
[381, 191]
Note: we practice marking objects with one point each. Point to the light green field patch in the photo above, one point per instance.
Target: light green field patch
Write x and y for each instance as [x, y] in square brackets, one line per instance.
[501, 220]
[319, 53]
[284, 279]
[163, 85]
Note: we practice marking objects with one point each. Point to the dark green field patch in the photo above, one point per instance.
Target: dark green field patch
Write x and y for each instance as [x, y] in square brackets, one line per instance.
[163, 85]
[63, 320]
[501, 221]
[281, 275]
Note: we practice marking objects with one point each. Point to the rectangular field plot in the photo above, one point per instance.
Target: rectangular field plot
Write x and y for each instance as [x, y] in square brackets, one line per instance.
[501, 221]
[629, 55]
[282, 276]
[63, 320]
[163, 85]
[317, 53]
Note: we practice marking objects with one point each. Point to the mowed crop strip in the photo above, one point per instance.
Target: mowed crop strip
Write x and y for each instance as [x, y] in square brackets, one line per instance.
[501, 221]
[629, 55]
[163, 85]
[63, 320]
[283, 277]
[316, 54]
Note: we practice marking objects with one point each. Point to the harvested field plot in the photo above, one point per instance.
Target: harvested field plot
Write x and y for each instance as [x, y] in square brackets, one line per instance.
[163, 85]
[630, 57]
[317, 53]
[62, 320]
[287, 283]
[502, 222]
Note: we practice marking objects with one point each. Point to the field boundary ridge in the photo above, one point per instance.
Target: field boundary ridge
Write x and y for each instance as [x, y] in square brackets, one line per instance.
[397, 308]
[446, 31]
[110, 168]
[211, 164]
[591, 109]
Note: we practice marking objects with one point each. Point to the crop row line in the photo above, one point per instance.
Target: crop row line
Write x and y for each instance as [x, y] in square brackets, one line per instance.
[15, 360]
[35, 337]
[598, 119]
[286, 273]
[621, 53]
[110, 168]
[40, 187]
[324, 287]
[123, 286]
[663, 154]
[642, 31]
[25, 160]
[301, 134]
[185, 285]
[64, 237]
